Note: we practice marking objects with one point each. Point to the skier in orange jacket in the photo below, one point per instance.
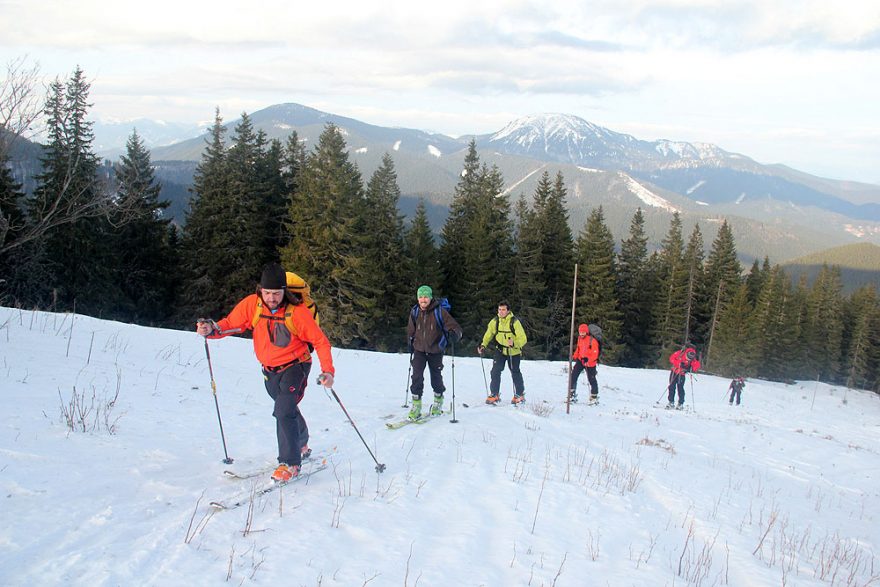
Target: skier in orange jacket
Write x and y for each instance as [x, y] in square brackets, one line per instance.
[283, 332]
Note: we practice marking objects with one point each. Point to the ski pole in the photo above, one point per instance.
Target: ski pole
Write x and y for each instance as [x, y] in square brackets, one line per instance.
[379, 466]
[667, 388]
[227, 460]
[483, 369]
[453, 421]
[693, 397]
[406, 387]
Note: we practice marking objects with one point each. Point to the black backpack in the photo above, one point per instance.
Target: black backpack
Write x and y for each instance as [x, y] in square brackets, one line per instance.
[596, 332]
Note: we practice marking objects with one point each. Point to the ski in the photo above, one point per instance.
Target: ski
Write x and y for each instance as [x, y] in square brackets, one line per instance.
[407, 421]
[243, 498]
[267, 470]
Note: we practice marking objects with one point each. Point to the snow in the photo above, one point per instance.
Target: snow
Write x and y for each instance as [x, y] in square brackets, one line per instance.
[434, 151]
[781, 490]
[361, 150]
[646, 195]
[396, 146]
[695, 187]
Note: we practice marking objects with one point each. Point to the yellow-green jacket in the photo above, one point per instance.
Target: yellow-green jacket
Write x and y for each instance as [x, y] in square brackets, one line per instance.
[502, 331]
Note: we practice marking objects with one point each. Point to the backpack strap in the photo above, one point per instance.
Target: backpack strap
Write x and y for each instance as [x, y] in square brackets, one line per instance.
[286, 316]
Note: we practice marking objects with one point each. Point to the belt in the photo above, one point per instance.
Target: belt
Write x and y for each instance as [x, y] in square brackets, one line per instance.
[305, 358]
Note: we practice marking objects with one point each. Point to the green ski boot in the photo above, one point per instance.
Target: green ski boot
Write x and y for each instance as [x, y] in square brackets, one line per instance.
[415, 412]
[437, 406]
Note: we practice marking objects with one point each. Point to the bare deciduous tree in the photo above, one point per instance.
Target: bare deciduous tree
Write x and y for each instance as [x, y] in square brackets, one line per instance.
[20, 102]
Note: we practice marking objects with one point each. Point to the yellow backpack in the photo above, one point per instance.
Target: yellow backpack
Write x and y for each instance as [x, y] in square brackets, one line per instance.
[297, 285]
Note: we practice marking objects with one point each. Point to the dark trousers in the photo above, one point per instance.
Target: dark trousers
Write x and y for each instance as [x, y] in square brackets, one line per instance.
[591, 377]
[677, 381]
[735, 391]
[287, 388]
[498, 363]
[434, 361]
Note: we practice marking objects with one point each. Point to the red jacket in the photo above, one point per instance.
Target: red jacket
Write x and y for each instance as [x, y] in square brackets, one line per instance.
[681, 364]
[587, 351]
[241, 318]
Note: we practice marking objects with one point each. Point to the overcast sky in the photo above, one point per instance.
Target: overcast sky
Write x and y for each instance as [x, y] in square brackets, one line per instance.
[782, 81]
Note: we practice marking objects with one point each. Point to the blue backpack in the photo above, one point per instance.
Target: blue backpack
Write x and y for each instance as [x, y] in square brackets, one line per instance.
[438, 316]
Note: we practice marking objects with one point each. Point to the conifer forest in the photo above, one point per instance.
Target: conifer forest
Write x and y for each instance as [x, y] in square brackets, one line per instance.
[92, 238]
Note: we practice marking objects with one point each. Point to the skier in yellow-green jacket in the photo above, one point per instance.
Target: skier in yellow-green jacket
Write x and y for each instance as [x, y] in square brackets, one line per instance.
[505, 337]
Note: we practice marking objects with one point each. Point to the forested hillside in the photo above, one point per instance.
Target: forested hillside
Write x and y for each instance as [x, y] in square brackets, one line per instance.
[101, 244]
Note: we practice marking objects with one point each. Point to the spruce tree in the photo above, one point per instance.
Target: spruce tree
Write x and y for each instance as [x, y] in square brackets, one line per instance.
[328, 239]
[861, 316]
[13, 265]
[206, 292]
[597, 296]
[146, 274]
[697, 302]
[669, 316]
[634, 294]
[421, 251]
[557, 259]
[730, 353]
[529, 288]
[824, 332]
[73, 270]
[389, 271]
[477, 246]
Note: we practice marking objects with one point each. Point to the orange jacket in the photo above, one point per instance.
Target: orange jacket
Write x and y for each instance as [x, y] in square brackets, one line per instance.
[241, 318]
[681, 364]
[587, 350]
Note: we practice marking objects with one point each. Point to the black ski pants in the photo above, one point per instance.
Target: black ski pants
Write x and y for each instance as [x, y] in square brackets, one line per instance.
[676, 382]
[735, 392]
[434, 361]
[287, 388]
[576, 371]
[498, 363]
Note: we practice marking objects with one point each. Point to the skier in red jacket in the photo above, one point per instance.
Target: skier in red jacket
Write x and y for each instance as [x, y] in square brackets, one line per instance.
[585, 356]
[683, 361]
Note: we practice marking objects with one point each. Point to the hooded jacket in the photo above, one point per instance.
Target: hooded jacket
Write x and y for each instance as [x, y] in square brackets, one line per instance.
[681, 364]
[587, 351]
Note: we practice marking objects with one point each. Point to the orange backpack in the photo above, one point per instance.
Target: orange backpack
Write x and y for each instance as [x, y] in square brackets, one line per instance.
[297, 285]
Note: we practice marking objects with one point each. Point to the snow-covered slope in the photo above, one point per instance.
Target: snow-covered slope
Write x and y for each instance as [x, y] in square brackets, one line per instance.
[782, 490]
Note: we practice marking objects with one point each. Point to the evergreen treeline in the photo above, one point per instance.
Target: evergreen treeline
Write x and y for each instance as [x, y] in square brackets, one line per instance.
[93, 239]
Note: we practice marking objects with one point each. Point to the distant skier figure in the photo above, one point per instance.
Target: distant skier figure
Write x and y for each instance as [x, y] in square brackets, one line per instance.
[506, 337]
[586, 356]
[683, 361]
[736, 387]
[427, 330]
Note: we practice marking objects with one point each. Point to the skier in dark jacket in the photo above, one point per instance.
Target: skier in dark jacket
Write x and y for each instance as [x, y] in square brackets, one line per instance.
[683, 361]
[736, 387]
[425, 336]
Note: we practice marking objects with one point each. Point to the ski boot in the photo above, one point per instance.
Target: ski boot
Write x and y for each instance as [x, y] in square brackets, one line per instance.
[437, 406]
[670, 406]
[573, 397]
[285, 473]
[415, 412]
[493, 399]
[518, 398]
[679, 407]
[594, 399]
[305, 452]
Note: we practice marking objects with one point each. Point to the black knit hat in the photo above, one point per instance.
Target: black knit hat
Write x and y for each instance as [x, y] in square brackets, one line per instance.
[273, 277]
